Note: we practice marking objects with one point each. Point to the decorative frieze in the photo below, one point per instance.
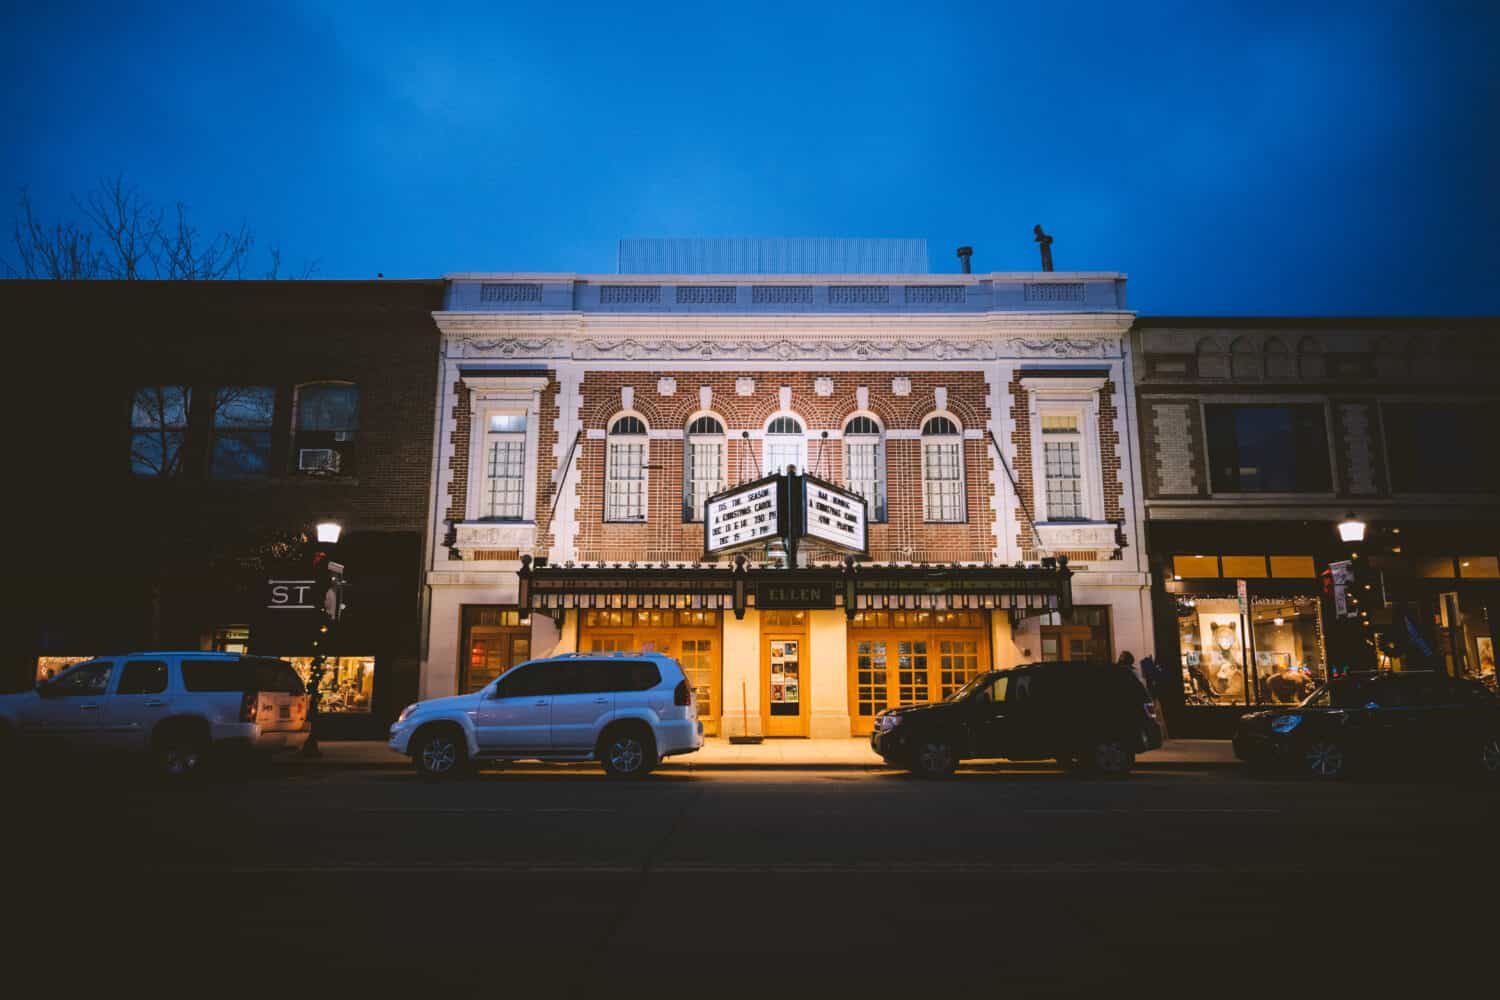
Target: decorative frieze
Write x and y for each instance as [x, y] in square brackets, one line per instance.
[508, 292]
[629, 295]
[781, 295]
[859, 295]
[936, 295]
[1054, 291]
[706, 295]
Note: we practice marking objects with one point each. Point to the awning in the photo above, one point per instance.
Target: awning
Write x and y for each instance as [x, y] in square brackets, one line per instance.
[1018, 591]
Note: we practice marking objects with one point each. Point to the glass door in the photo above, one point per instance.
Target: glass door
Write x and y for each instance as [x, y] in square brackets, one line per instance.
[700, 662]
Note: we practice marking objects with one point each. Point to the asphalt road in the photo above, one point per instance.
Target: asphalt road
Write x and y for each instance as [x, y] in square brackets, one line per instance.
[557, 882]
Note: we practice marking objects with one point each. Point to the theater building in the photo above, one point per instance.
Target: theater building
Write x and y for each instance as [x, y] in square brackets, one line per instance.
[982, 424]
[1259, 436]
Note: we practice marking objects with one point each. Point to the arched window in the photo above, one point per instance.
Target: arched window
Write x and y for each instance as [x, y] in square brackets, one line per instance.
[625, 470]
[864, 463]
[786, 444]
[702, 465]
[942, 471]
[1244, 360]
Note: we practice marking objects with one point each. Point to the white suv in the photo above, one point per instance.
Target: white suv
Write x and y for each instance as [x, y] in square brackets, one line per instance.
[177, 705]
[625, 710]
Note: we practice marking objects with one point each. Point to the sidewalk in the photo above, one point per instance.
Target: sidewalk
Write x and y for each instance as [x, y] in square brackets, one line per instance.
[783, 754]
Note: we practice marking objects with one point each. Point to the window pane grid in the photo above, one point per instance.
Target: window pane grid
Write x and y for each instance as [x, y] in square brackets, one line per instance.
[1064, 480]
[625, 498]
[506, 480]
[705, 475]
[942, 486]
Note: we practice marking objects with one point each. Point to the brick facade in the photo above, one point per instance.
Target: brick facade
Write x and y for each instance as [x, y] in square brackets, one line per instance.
[905, 536]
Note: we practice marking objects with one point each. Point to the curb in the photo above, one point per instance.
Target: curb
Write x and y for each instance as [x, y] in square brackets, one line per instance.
[402, 764]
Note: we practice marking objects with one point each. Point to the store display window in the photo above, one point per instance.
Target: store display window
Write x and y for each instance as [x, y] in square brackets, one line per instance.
[348, 686]
[1280, 661]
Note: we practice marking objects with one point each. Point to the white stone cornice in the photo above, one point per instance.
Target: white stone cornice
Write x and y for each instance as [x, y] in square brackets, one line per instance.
[782, 338]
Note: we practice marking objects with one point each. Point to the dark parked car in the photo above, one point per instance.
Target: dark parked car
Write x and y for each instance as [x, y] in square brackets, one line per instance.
[1089, 717]
[1378, 719]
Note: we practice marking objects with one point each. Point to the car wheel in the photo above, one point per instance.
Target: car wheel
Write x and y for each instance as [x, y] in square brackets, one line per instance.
[935, 758]
[180, 755]
[627, 752]
[1112, 758]
[441, 753]
[1489, 757]
[1325, 759]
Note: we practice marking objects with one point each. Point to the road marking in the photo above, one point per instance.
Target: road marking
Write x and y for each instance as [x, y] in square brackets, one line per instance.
[472, 809]
[772, 867]
[1085, 812]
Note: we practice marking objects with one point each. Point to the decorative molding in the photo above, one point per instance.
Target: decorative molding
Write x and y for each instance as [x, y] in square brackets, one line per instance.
[666, 386]
[1358, 441]
[1054, 291]
[823, 385]
[859, 295]
[1077, 536]
[781, 295]
[629, 295]
[627, 397]
[1059, 348]
[744, 387]
[862, 397]
[705, 397]
[510, 291]
[940, 397]
[706, 295]
[936, 295]
[489, 535]
[901, 386]
[784, 396]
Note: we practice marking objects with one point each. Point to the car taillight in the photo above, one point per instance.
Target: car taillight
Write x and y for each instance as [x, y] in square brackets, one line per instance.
[249, 704]
[683, 695]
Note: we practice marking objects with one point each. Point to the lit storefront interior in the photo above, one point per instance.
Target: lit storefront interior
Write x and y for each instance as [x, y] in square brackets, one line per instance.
[494, 640]
[1269, 651]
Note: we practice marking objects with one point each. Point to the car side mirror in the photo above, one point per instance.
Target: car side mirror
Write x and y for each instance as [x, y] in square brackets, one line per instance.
[44, 689]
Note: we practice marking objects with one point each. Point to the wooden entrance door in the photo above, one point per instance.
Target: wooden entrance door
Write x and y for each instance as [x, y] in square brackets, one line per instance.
[784, 694]
[693, 638]
[1084, 635]
[910, 658]
[494, 641]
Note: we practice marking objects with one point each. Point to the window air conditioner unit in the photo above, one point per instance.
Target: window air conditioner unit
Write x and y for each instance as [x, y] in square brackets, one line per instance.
[343, 436]
[317, 460]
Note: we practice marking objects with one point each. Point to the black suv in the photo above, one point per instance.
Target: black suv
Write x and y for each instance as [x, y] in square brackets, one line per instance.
[1087, 716]
[1373, 719]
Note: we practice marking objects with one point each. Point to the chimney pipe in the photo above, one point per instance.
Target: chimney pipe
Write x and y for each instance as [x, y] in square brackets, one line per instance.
[964, 253]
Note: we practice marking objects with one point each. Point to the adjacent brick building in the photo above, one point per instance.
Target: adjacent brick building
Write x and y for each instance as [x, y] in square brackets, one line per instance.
[1259, 435]
[585, 420]
[184, 432]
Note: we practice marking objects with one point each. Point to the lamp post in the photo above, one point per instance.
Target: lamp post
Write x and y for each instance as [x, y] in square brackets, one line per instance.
[328, 534]
[1351, 528]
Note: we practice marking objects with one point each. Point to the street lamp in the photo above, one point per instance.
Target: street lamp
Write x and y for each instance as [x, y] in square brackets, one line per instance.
[1351, 528]
[329, 532]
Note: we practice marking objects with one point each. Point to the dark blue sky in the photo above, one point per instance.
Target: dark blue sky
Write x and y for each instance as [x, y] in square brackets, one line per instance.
[1232, 158]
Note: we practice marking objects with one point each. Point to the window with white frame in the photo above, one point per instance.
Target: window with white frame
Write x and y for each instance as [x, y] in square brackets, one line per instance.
[1062, 462]
[158, 428]
[625, 470]
[785, 444]
[942, 471]
[864, 463]
[505, 467]
[702, 465]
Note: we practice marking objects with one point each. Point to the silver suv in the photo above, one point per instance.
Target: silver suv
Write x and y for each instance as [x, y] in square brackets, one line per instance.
[175, 705]
[625, 710]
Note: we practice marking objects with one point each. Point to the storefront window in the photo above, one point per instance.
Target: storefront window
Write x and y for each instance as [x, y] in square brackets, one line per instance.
[231, 639]
[348, 682]
[1287, 639]
[1280, 662]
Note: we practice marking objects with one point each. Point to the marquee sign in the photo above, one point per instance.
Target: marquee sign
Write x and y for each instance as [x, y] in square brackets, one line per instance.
[835, 516]
[745, 516]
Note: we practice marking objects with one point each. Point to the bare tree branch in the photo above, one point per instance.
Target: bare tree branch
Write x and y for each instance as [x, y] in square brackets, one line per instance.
[124, 236]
